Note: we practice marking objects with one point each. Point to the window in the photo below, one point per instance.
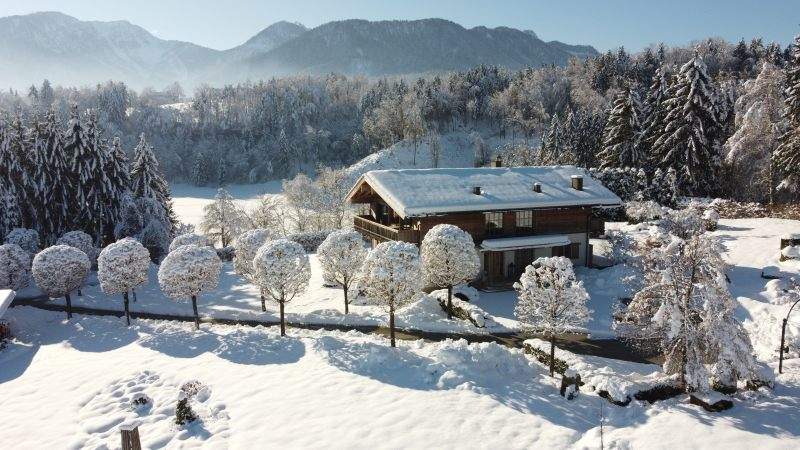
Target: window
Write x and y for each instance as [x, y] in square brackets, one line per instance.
[525, 220]
[494, 223]
[573, 251]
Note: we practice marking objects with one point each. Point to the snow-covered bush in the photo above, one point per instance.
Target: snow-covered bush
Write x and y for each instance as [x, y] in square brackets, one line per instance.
[638, 212]
[226, 253]
[622, 245]
[223, 220]
[81, 241]
[448, 258]
[59, 270]
[310, 240]
[281, 269]
[121, 267]
[156, 239]
[710, 219]
[390, 277]
[551, 299]
[187, 271]
[15, 266]
[26, 239]
[190, 239]
[341, 255]
[683, 223]
[790, 252]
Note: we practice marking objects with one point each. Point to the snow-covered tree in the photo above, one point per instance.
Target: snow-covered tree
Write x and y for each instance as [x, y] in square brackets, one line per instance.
[59, 270]
[622, 132]
[187, 271]
[653, 122]
[121, 267]
[390, 277]
[341, 255]
[223, 220]
[26, 239]
[81, 241]
[148, 184]
[759, 125]
[246, 245]
[448, 257]
[685, 307]
[688, 142]
[190, 239]
[281, 270]
[551, 300]
[787, 155]
[15, 267]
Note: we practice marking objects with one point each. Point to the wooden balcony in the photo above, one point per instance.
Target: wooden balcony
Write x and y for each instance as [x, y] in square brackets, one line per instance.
[374, 230]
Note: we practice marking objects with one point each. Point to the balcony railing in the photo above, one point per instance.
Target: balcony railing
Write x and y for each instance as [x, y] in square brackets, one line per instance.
[367, 226]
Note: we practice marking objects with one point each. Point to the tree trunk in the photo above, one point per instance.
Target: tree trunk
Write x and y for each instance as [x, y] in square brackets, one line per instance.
[134, 295]
[346, 301]
[552, 354]
[449, 302]
[263, 304]
[391, 326]
[283, 323]
[69, 306]
[127, 311]
[196, 316]
[80, 294]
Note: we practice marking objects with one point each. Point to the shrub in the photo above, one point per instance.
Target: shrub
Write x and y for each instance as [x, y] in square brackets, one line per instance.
[15, 266]
[26, 239]
[310, 240]
[190, 239]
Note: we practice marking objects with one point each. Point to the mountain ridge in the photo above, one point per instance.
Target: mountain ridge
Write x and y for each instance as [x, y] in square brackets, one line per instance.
[70, 51]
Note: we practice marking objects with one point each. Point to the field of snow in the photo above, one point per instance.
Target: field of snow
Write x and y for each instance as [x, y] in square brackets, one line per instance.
[71, 385]
[189, 201]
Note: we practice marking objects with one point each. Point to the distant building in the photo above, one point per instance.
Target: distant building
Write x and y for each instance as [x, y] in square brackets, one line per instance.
[514, 214]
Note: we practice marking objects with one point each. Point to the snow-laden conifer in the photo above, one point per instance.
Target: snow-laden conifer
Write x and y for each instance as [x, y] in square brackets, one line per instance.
[390, 277]
[148, 185]
[25, 238]
[551, 300]
[190, 239]
[15, 267]
[448, 257]
[59, 270]
[688, 141]
[622, 132]
[281, 270]
[121, 267]
[187, 271]
[246, 246]
[341, 255]
[787, 155]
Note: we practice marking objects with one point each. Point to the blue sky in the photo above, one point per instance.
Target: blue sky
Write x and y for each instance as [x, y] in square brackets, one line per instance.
[603, 23]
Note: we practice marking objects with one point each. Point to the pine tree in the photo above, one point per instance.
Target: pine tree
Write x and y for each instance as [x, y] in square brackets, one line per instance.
[117, 185]
[148, 184]
[688, 141]
[787, 155]
[58, 188]
[19, 171]
[622, 131]
[653, 123]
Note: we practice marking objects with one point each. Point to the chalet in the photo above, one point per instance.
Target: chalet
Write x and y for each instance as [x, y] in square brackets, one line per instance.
[514, 214]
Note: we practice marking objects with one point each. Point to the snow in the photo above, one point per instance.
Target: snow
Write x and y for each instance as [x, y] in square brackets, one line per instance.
[337, 390]
[188, 201]
[524, 242]
[415, 192]
[6, 296]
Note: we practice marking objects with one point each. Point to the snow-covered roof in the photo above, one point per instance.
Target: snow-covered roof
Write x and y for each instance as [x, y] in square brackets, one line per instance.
[524, 242]
[419, 192]
[6, 296]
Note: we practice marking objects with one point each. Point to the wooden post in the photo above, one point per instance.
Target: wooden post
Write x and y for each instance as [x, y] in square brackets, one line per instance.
[130, 438]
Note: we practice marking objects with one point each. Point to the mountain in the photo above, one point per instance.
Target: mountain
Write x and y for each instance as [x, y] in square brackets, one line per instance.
[273, 36]
[69, 51]
[402, 47]
[73, 52]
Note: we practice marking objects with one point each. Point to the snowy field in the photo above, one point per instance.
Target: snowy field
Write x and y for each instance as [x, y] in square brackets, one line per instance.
[70, 385]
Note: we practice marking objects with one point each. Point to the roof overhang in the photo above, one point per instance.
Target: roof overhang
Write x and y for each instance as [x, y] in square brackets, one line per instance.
[523, 242]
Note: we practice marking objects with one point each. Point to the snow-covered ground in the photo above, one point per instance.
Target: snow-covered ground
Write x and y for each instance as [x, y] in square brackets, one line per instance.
[71, 385]
[189, 201]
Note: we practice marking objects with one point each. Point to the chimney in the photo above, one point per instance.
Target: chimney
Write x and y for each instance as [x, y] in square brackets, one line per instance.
[537, 187]
[498, 161]
[476, 190]
[577, 182]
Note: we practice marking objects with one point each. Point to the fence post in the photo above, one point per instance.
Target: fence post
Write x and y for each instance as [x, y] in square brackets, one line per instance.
[130, 438]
